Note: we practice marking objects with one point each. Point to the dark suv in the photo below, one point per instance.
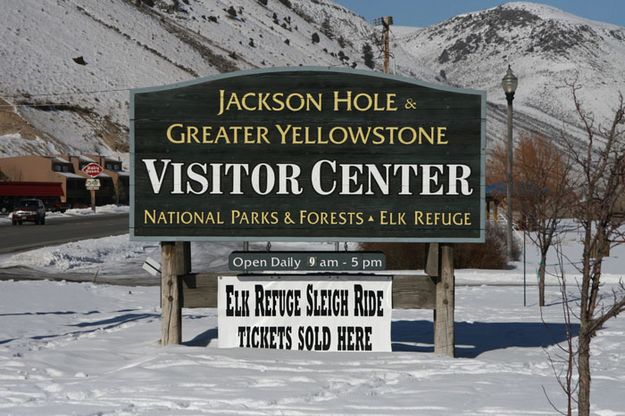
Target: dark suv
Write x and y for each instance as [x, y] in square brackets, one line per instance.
[29, 210]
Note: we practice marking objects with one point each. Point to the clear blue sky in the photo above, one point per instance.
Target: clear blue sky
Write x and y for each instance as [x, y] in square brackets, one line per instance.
[428, 12]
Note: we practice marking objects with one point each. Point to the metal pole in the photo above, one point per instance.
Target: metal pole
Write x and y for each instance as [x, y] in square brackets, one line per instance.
[524, 272]
[509, 98]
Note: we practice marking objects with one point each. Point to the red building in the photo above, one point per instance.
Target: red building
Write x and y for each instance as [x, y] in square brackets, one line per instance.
[66, 170]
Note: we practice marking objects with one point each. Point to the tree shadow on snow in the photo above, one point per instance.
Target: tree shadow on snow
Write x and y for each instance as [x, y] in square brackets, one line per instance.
[117, 320]
[202, 339]
[103, 324]
[475, 338]
[48, 313]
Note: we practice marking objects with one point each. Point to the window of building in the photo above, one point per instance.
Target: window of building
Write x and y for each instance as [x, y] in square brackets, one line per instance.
[56, 167]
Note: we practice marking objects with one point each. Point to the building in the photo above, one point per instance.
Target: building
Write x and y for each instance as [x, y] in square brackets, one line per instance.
[66, 170]
[49, 192]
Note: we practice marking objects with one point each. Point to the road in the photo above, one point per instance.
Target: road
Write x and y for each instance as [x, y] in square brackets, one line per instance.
[60, 230]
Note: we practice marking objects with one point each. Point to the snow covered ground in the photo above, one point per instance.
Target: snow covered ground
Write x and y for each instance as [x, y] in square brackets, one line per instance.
[84, 349]
[118, 257]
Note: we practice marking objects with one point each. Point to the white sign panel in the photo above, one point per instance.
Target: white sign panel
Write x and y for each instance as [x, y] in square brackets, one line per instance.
[321, 313]
[91, 182]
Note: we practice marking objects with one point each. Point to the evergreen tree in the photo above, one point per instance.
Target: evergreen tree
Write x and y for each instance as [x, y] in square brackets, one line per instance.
[326, 28]
[367, 55]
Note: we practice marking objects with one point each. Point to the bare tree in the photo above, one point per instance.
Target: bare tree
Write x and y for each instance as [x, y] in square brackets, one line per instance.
[543, 194]
[601, 179]
[563, 361]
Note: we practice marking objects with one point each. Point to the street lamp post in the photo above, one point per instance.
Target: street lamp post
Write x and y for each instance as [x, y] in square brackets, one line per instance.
[509, 84]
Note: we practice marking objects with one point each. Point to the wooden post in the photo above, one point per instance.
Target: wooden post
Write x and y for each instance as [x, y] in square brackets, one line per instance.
[496, 214]
[432, 260]
[387, 44]
[183, 257]
[171, 312]
[93, 200]
[444, 342]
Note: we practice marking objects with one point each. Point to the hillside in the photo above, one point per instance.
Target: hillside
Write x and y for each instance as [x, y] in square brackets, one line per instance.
[547, 49]
[67, 65]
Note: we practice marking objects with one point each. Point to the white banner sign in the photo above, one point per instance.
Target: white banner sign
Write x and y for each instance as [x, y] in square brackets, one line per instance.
[304, 313]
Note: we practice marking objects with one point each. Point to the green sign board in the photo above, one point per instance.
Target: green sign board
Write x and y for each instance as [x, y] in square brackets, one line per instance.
[307, 154]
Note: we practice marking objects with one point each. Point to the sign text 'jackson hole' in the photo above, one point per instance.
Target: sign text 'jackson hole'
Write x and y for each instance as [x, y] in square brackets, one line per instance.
[307, 154]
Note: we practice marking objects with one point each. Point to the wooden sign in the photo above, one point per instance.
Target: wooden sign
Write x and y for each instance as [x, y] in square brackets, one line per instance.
[306, 261]
[307, 154]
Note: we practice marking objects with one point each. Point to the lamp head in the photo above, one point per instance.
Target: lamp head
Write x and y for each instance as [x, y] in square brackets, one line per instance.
[509, 82]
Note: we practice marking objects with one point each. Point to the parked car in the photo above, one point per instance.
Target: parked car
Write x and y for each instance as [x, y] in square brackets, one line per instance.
[29, 210]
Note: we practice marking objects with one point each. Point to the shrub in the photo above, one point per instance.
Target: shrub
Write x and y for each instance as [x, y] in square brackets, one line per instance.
[287, 3]
[367, 55]
[315, 37]
[232, 12]
[400, 256]
[342, 42]
[489, 255]
[326, 28]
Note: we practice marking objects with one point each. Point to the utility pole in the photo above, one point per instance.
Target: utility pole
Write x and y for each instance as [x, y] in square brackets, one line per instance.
[386, 23]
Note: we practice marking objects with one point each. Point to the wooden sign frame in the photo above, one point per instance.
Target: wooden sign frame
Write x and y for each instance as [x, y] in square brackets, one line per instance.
[435, 290]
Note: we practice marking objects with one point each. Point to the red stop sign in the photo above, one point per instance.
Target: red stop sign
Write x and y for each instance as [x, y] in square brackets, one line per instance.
[92, 169]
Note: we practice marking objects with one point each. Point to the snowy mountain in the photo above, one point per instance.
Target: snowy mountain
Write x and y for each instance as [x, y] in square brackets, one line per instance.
[66, 65]
[546, 47]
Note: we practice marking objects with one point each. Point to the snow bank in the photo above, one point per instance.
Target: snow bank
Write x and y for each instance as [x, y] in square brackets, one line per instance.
[110, 254]
[117, 256]
[104, 209]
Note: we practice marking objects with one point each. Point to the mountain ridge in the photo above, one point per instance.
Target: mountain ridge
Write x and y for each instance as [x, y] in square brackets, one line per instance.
[68, 64]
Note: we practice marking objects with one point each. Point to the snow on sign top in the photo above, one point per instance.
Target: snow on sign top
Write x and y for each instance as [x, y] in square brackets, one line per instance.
[92, 169]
